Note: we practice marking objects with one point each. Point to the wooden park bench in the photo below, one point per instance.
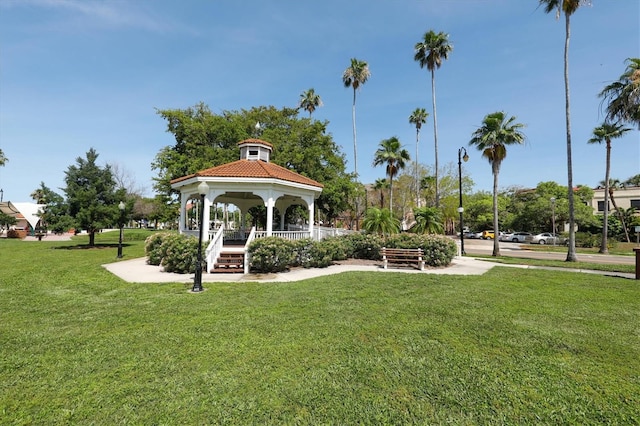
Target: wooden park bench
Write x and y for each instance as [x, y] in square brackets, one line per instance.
[403, 256]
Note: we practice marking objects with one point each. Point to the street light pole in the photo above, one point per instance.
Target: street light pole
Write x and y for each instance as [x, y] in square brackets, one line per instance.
[121, 206]
[460, 208]
[553, 218]
[203, 189]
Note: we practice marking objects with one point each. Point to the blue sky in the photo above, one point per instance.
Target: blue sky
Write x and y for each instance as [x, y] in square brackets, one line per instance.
[76, 74]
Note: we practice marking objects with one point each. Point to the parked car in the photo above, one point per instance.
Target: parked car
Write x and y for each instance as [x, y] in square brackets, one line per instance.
[547, 238]
[488, 235]
[473, 235]
[516, 237]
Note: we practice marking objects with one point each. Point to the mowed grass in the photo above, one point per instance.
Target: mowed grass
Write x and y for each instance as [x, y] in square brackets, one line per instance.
[514, 346]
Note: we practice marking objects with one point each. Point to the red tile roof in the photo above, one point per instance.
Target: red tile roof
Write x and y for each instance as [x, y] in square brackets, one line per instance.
[253, 169]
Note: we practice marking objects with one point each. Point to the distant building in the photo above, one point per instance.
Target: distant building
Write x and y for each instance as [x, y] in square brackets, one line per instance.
[624, 197]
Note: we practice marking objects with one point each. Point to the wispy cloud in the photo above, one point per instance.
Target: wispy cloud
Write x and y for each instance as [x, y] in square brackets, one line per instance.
[115, 14]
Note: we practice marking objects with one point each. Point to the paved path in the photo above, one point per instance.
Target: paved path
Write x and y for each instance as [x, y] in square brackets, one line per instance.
[137, 271]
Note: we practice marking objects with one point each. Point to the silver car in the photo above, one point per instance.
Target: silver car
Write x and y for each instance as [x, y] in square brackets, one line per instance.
[516, 237]
[547, 238]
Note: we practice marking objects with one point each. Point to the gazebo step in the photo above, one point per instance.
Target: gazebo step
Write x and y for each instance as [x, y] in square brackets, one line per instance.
[229, 262]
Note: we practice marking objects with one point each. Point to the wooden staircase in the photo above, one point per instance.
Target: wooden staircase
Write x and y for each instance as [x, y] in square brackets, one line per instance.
[229, 262]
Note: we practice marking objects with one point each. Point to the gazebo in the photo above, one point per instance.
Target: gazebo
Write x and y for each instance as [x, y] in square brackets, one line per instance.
[249, 182]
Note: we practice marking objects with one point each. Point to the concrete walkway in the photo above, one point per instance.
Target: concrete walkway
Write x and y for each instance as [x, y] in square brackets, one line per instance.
[138, 271]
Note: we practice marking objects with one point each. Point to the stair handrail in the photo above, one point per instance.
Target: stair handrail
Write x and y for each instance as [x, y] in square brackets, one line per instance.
[247, 257]
[214, 248]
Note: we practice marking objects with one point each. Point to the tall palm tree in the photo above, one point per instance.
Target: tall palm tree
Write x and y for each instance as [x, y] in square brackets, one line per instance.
[418, 117]
[429, 52]
[381, 185]
[623, 96]
[613, 185]
[391, 154]
[3, 159]
[492, 138]
[604, 133]
[568, 7]
[633, 181]
[309, 101]
[355, 76]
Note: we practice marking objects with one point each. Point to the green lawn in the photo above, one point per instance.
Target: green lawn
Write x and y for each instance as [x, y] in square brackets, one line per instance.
[514, 346]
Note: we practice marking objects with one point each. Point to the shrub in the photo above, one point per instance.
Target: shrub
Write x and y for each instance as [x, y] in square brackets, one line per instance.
[180, 254]
[587, 240]
[153, 247]
[363, 246]
[14, 233]
[271, 254]
[312, 254]
[336, 247]
[438, 249]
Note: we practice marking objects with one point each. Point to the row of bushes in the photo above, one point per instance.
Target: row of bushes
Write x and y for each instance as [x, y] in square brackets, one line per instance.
[178, 253]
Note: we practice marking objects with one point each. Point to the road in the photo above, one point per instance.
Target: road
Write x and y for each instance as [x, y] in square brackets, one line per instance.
[472, 246]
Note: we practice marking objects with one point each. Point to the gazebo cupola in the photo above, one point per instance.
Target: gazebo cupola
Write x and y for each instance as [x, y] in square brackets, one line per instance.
[255, 149]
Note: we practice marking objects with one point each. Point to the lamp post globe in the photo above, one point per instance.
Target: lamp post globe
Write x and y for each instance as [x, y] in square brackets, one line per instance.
[121, 207]
[203, 189]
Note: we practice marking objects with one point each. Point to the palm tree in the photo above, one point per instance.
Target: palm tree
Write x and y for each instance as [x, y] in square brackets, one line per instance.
[3, 159]
[381, 185]
[605, 133]
[633, 181]
[418, 117]
[430, 52]
[623, 96]
[355, 76]
[614, 184]
[568, 7]
[428, 221]
[492, 139]
[394, 157]
[380, 221]
[309, 101]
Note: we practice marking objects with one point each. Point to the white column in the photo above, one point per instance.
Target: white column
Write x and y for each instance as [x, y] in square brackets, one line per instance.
[311, 218]
[269, 205]
[282, 213]
[182, 224]
[206, 217]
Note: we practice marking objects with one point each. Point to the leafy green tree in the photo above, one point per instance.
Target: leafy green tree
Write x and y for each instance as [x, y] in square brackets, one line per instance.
[604, 133]
[380, 221]
[623, 96]
[568, 8]
[204, 140]
[428, 221]
[429, 52]
[492, 138]
[355, 76]
[391, 154]
[418, 117]
[309, 101]
[6, 221]
[55, 213]
[91, 194]
[3, 159]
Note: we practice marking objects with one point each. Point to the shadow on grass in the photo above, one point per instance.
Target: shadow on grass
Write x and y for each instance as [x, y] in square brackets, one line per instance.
[97, 246]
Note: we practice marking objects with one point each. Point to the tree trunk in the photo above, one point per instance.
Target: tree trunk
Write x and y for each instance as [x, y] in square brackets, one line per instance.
[435, 132]
[417, 183]
[571, 253]
[604, 248]
[355, 145]
[496, 233]
[620, 215]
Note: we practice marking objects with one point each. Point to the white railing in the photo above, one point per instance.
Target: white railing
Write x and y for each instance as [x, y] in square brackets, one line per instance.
[214, 248]
[321, 232]
[287, 235]
[247, 256]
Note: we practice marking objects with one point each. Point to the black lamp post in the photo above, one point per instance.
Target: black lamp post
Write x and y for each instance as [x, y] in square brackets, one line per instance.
[553, 219]
[1, 195]
[203, 188]
[121, 206]
[460, 208]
